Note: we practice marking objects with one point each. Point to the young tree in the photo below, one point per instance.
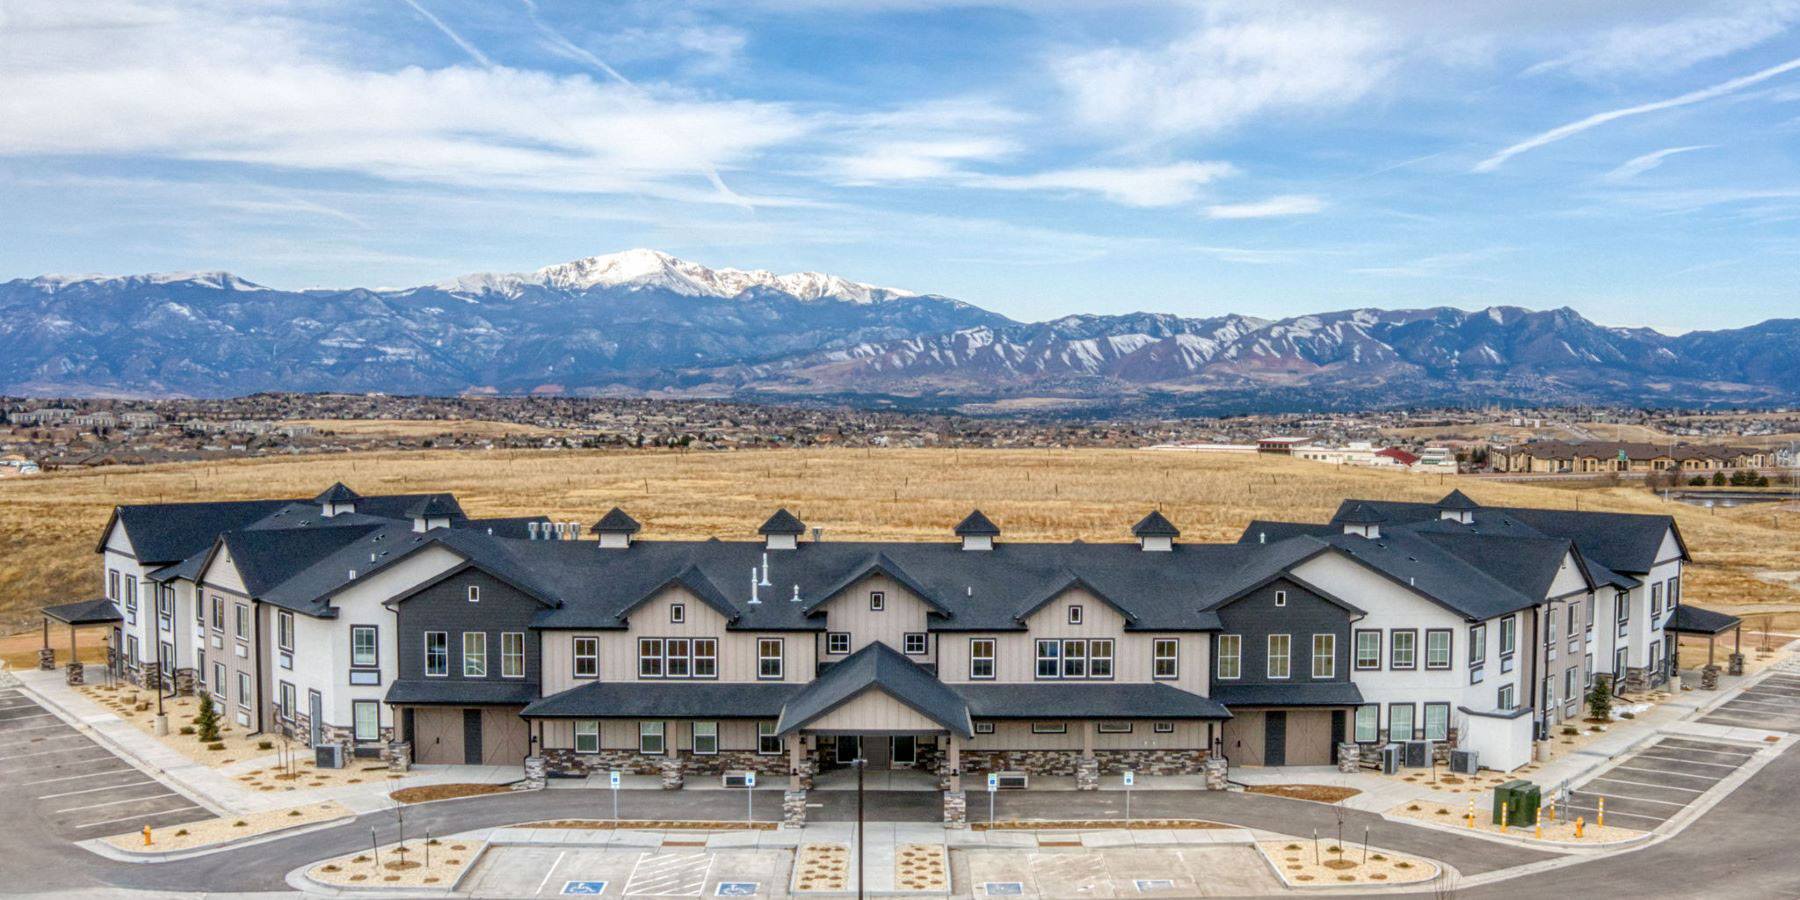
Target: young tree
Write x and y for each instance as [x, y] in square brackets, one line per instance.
[206, 722]
[1718, 479]
[1599, 699]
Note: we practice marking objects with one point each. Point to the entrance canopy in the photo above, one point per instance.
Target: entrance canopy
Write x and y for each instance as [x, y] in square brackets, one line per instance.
[877, 690]
[98, 611]
[1703, 622]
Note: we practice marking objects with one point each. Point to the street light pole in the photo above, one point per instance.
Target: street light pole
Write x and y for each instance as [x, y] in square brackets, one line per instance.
[860, 764]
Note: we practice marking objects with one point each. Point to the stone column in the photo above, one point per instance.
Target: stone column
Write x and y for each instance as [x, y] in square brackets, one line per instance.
[1735, 664]
[153, 676]
[956, 809]
[796, 767]
[536, 773]
[75, 675]
[1709, 678]
[1349, 757]
[1216, 771]
[1087, 768]
[954, 757]
[793, 809]
[184, 682]
[672, 772]
[47, 659]
[399, 756]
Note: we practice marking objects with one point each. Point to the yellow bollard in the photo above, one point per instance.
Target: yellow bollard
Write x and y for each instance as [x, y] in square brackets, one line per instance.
[1471, 812]
[1600, 820]
[1580, 822]
[1540, 823]
[1553, 811]
[146, 835]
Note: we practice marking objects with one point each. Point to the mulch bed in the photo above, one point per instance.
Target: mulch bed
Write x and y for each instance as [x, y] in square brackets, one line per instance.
[652, 825]
[1319, 793]
[1091, 824]
[446, 792]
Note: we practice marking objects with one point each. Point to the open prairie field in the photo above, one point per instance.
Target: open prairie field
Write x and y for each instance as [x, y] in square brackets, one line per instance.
[49, 524]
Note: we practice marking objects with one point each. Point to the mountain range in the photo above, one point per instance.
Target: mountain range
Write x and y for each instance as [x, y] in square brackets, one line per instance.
[642, 322]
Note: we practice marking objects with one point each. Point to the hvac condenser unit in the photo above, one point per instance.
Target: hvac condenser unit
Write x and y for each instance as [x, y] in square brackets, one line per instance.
[1390, 759]
[736, 779]
[1463, 762]
[1418, 754]
[329, 756]
[1012, 781]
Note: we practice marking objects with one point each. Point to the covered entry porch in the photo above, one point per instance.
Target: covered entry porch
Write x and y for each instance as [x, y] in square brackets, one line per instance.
[445, 724]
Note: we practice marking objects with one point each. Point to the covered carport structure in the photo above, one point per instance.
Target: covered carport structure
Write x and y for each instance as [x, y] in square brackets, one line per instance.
[1694, 620]
[82, 614]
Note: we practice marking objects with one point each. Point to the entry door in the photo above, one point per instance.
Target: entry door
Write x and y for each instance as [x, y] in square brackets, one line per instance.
[905, 751]
[437, 735]
[315, 711]
[1275, 738]
[1619, 669]
[849, 748]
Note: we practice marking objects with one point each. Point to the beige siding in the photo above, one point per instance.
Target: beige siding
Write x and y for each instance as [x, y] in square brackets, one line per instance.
[1244, 734]
[1012, 735]
[622, 734]
[902, 612]
[1308, 737]
[873, 711]
[1016, 652]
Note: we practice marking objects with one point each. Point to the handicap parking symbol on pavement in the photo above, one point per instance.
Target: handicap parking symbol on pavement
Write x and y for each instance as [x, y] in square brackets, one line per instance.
[737, 889]
[584, 888]
[1003, 888]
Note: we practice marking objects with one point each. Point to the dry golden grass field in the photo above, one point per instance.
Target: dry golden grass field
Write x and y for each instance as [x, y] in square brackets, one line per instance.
[49, 523]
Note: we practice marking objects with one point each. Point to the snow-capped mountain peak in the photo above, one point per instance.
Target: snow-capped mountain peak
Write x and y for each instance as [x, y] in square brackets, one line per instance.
[642, 268]
[218, 281]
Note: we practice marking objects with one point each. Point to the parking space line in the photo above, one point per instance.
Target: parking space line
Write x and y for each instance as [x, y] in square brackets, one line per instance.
[110, 787]
[83, 775]
[1633, 799]
[1613, 813]
[36, 741]
[43, 715]
[1665, 787]
[117, 802]
[1752, 701]
[1691, 762]
[31, 728]
[52, 753]
[1699, 747]
[1710, 781]
[160, 812]
[546, 881]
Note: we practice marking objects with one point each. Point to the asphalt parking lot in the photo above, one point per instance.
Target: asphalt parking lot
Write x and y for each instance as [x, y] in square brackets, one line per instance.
[1772, 704]
[1654, 784]
[1214, 871]
[662, 872]
[73, 785]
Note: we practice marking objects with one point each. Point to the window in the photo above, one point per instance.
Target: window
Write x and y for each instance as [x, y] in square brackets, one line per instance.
[769, 658]
[706, 657]
[1074, 658]
[1400, 721]
[587, 657]
[1164, 728]
[587, 736]
[1592, 608]
[284, 630]
[677, 613]
[1402, 649]
[512, 654]
[1656, 590]
[1280, 647]
[243, 622]
[877, 601]
[706, 738]
[1674, 584]
[675, 658]
[165, 606]
[1574, 619]
[131, 598]
[1437, 648]
[1049, 728]
[1324, 656]
[650, 738]
[1113, 727]
[1622, 611]
[200, 667]
[437, 653]
[768, 743]
[244, 689]
[1048, 655]
[218, 682]
[650, 657]
[914, 643]
[1437, 721]
[1509, 635]
[1368, 723]
[1569, 686]
[131, 649]
[112, 584]
[200, 610]
[1074, 614]
[1505, 698]
[1165, 658]
[1368, 650]
[837, 642]
[981, 658]
[474, 654]
[363, 647]
[984, 728]
[474, 593]
[218, 606]
[287, 701]
[1100, 658]
[366, 719]
[1281, 598]
[1231, 656]
[1477, 645]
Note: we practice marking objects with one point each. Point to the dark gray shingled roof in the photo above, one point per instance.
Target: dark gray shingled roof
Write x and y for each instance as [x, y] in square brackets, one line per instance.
[1695, 620]
[457, 692]
[977, 524]
[782, 522]
[1335, 693]
[337, 493]
[85, 612]
[436, 506]
[1436, 574]
[1457, 500]
[1155, 525]
[267, 558]
[616, 522]
[878, 667]
[1361, 514]
[641, 699]
[1087, 701]
[164, 533]
[1623, 542]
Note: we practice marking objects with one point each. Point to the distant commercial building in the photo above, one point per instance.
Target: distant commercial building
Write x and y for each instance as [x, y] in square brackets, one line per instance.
[1624, 456]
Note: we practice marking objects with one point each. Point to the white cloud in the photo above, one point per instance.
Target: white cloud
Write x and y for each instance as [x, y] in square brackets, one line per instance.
[1638, 165]
[1286, 205]
[1225, 73]
[1573, 128]
[1649, 49]
[917, 160]
[1435, 265]
[1146, 186]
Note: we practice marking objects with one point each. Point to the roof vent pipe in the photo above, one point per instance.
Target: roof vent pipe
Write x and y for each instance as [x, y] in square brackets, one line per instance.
[796, 597]
[754, 600]
[574, 531]
[969, 591]
[532, 527]
[818, 534]
[352, 575]
[1262, 537]
[765, 571]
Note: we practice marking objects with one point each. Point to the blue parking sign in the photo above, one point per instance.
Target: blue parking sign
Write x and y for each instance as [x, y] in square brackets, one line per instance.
[584, 888]
[736, 889]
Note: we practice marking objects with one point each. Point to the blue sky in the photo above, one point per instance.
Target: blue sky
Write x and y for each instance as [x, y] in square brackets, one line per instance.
[1636, 161]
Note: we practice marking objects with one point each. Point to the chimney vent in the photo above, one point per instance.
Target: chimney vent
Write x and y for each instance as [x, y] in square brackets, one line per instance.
[796, 597]
[754, 599]
[352, 575]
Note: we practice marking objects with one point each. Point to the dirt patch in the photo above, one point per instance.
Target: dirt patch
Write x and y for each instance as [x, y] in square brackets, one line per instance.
[415, 864]
[822, 867]
[651, 825]
[428, 792]
[1318, 793]
[1091, 824]
[1319, 863]
[1555, 831]
[208, 832]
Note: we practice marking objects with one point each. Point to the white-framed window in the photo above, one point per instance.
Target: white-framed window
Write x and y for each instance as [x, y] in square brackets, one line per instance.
[981, 658]
[1049, 728]
[437, 653]
[218, 682]
[1569, 691]
[218, 608]
[837, 642]
[1400, 721]
[1281, 598]
[676, 655]
[1437, 721]
[131, 599]
[1164, 728]
[1437, 648]
[363, 647]
[474, 654]
[677, 613]
[366, 719]
[587, 736]
[1509, 641]
[474, 593]
[706, 738]
[1100, 658]
[1656, 590]
[769, 659]
[1324, 656]
[1477, 645]
[1231, 656]
[1368, 650]
[512, 654]
[165, 606]
[1403, 648]
[913, 643]
[112, 584]
[1113, 727]
[1074, 658]
[1281, 648]
[284, 630]
[1074, 614]
[706, 658]
[200, 667]
[650, 658]
[1049, 658]
[244, 689]
[1574, 619]
[877, 601]
[984, 728]
[243, 622]
[650, 738]
[587, 656]
[1368, 723]
[768, 743]
[286, 701]
[1506, 697]
[1165, 658]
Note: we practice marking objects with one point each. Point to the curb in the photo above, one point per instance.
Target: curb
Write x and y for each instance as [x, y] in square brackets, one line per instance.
[99, 846]
[1596, 848]
[299, 880]
[1440, 872]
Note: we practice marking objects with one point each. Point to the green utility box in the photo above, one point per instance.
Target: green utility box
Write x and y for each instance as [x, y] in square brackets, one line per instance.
[1516, 803]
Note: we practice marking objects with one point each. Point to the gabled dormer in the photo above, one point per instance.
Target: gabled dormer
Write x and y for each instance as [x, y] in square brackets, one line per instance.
[782, 531]
[616, 530]
[337, 499]
[434, 511]
[977, 531]
[1155, 533]
[1362, 520]
[1457, 507]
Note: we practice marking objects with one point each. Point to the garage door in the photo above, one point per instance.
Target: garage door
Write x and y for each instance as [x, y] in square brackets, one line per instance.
[1309, 737]
[503, 736]
[1244, 738]
[437, 735]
